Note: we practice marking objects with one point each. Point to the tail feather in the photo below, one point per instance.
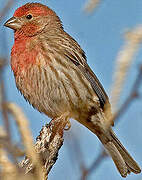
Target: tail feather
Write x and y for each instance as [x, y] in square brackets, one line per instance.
[117, 158]
[130, 162]
[122, 159]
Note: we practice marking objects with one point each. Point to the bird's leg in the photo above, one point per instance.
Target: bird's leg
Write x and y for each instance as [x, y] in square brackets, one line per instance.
[60, 123]
[68, 125]
[65, 121]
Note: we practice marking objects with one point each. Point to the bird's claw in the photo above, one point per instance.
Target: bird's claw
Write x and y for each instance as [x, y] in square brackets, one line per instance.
[68, 125]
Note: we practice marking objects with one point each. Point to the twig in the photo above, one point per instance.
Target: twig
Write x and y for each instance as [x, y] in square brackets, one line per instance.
[94, 165]
[26, 136]
[133, 95]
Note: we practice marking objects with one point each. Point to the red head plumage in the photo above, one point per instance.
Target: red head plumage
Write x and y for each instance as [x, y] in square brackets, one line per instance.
[36, 9]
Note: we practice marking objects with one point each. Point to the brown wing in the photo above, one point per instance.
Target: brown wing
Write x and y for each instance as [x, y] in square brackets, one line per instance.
[81, 63]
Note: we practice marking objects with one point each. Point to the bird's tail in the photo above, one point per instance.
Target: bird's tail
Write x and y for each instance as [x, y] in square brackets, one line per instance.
[122, 159]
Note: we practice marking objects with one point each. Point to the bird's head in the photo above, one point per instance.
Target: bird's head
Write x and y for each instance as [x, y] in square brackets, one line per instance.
[32, 18]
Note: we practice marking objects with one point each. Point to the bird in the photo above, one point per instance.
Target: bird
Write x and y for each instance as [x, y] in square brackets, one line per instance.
[52, 73]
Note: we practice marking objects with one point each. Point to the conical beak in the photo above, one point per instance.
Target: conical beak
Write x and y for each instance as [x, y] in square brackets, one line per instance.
[13, 23]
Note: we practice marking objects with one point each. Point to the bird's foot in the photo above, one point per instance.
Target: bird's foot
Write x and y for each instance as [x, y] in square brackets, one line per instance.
[68, 125]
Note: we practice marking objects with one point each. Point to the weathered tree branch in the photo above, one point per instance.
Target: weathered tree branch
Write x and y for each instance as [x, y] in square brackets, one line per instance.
[47, 146]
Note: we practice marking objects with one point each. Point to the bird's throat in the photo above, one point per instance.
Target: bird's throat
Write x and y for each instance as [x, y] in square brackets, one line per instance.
[22, 55]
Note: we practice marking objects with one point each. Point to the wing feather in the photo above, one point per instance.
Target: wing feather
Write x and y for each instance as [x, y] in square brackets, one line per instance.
[89, 74]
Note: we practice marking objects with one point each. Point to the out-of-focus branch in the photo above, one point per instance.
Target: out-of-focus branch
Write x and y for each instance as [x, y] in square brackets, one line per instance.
[133, 95]
[91, 5]
[124, 62]
[102, 155]
[7, 141]
[7, 168]
[3, 62]
[26, 136]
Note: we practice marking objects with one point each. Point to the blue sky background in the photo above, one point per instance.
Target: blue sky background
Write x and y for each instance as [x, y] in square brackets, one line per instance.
[101, 36]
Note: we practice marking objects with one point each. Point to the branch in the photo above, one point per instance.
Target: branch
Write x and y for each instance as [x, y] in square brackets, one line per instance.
[47, 146]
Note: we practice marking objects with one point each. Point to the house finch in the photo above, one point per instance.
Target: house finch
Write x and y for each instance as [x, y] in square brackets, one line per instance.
[52, 73]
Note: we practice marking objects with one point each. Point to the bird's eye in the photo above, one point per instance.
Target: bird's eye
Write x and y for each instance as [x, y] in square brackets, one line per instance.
[29, 16]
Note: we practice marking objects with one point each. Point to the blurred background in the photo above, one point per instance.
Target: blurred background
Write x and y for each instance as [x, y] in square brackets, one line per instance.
[101, 35]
